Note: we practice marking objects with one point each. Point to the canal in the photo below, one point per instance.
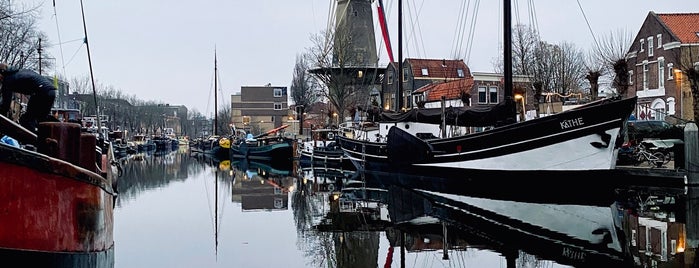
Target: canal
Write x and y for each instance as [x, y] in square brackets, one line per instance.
[179, 209]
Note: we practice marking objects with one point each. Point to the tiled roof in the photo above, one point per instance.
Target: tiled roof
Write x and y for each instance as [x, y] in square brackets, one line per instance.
[438, 68]
[451, 90]
[684, 25]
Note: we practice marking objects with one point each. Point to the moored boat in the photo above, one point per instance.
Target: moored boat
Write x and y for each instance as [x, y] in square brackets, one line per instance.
[56, 200]
[268, 146]
[321, 147]
[585, 138]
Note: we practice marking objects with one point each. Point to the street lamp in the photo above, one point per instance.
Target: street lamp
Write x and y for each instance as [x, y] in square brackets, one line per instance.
[678, 84]
[520, 97]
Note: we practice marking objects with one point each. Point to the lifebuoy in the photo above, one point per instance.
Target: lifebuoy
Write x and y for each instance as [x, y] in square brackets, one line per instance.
[331, 136]
[331, 187]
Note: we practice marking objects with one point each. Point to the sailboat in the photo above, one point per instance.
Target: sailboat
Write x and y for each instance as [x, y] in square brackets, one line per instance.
[585, 138]
[57, 195]
[214, 145]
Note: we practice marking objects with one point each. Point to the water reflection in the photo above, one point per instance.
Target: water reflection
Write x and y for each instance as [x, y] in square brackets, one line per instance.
[345, 218]
[260, 186]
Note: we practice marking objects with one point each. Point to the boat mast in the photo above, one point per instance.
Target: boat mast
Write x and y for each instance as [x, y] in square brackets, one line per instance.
[399, 96]
[92, 76]
[507, 58]
[215, 96]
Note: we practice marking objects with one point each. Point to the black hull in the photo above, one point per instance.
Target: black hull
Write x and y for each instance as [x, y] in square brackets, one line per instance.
[366, 155]
[583, 130]
[523, 136]
[279, 150]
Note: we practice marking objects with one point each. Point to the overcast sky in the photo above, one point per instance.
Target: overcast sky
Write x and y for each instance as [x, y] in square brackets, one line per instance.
[164, 50]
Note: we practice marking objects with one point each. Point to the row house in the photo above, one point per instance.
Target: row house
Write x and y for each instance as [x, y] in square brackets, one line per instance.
[479, 90]
[425, 81]
[664, 46]
[416, 74]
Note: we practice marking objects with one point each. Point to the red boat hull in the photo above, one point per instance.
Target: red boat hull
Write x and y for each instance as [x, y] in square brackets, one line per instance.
[47, 204]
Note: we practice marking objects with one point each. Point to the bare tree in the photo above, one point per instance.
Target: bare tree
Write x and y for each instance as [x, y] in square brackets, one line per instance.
[568, 63]
[688, 62]
[304, 90]
[81, 85]
[611, 51]
[224, 120]
[331, 58]
[19, 36]
[524, 42]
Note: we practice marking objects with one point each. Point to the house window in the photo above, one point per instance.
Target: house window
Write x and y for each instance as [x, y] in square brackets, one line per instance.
[460, 72]
[493, 93]
[277, 106]
[405, 74]
[390, 77]
[670, 71]
[481, 95]
[661, 72]
[660, 40]
[645, 75]
[650, 46]
[417, 99]
[642, 43]
[424, 72]
[631, 77]
[277, 92]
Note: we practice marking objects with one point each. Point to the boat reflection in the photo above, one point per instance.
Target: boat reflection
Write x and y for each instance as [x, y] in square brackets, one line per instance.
[602, 226]
[145, 171]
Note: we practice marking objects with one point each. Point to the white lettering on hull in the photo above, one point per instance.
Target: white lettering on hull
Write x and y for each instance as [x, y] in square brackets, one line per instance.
[570, 123]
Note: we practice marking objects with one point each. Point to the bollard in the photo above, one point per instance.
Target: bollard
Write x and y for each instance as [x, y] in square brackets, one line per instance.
[88, 153]
[60, 140]
[692, 203]
[691, 153]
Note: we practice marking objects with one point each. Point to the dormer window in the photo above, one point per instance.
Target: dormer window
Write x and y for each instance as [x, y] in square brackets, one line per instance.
[424, 72]
[642, 43]
[650, 46]
[460, 72]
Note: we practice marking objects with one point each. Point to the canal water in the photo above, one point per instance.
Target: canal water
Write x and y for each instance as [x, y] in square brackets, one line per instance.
[180, 209]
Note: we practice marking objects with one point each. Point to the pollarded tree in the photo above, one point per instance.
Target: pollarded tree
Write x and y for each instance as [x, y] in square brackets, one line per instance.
[611, 51]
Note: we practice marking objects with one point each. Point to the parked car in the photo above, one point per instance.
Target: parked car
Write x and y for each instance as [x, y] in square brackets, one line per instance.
[639, 130]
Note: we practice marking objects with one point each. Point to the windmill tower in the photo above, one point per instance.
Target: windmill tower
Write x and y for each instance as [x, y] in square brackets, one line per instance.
[354, 66]
[354, 28]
